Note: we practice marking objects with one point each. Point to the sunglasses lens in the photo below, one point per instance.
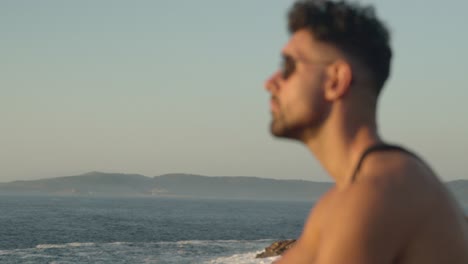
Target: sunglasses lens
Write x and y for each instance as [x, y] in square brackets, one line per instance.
[287, 67]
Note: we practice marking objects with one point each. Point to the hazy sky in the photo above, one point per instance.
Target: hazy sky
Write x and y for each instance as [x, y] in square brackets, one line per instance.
[166, 86]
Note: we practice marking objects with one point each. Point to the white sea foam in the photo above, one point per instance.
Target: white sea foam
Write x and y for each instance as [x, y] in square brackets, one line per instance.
[188, 251]
[180, 243]
[118, 243]
[74, 244]
[192, 242]
[245, 258]
[5, 252]
[211, 242]
[48, 246]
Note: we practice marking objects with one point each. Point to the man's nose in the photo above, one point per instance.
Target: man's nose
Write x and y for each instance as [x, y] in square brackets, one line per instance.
[272, 83]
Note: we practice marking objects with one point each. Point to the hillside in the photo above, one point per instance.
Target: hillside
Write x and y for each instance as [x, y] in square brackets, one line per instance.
[184, 185]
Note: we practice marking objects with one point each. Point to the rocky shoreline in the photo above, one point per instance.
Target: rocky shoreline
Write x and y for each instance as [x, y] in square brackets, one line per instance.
[276, 248]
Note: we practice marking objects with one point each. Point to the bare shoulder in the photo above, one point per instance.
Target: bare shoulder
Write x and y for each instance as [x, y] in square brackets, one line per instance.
[396, 212]
[407, 181]
[406, 188]
[374, 219]
[400, 209]
[364, 223]
[393, 187]
[401, 180]
[378, 212]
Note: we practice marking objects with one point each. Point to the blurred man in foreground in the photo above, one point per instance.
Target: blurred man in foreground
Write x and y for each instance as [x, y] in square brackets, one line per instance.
[387, 205]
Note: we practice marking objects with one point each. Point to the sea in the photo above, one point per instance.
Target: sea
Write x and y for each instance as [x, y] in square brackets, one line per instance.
[45, 229]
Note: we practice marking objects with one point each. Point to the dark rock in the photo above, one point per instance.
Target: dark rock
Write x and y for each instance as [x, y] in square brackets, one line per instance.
[277, 248]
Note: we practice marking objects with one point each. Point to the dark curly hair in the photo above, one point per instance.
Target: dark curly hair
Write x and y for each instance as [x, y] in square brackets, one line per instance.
[352, 28]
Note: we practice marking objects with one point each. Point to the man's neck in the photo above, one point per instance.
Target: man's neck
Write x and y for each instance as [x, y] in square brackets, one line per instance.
[339, 147]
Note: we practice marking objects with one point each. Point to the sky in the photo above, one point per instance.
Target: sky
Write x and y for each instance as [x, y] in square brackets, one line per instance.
[156, 87]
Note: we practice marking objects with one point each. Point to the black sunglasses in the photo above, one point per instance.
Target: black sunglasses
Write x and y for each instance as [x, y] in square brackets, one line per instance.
[288, 66]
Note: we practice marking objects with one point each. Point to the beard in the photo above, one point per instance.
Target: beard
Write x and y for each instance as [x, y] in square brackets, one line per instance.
[279, 127]
[299, 129]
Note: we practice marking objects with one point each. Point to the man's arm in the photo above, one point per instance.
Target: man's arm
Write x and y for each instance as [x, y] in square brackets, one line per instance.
[369, 226]
[306, 246]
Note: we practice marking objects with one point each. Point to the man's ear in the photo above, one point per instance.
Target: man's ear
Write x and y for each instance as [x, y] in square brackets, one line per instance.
[339, 76]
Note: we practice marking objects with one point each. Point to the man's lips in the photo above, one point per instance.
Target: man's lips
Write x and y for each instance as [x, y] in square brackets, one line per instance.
[274, 105]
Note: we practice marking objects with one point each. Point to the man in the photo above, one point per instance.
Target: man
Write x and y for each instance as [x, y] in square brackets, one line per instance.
[387, 205]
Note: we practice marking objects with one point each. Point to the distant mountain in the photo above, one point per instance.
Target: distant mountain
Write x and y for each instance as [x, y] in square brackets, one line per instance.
[169, 185]
[184, 185]
[240, 187]
[92, 183]
[460, 190]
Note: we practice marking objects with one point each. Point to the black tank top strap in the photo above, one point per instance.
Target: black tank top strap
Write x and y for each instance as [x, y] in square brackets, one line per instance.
[375, 148]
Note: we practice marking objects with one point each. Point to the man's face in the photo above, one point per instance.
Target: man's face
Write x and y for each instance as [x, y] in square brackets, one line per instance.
[298, 106]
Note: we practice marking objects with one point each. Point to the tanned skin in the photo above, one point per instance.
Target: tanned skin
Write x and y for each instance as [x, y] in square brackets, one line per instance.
[396, 210]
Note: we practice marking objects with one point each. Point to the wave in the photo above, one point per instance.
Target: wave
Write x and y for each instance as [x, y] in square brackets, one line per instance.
[209, 242]
[186, 251]
[124, 243]
[244, 258]
[73, 244]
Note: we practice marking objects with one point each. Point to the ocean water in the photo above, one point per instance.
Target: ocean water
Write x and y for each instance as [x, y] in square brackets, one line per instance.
[143, 230]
